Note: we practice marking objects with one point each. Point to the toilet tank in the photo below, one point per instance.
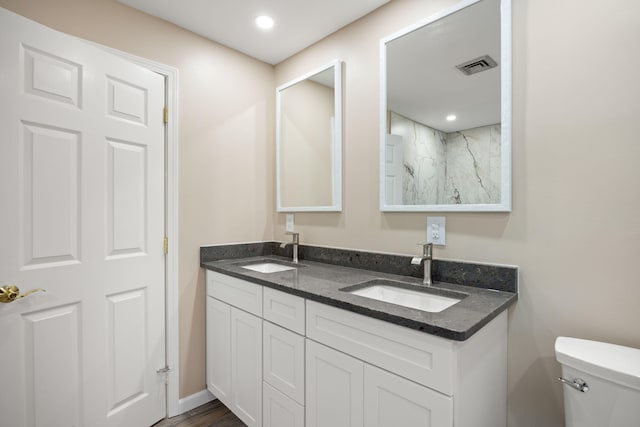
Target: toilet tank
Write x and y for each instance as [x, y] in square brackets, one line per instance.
[612, 375]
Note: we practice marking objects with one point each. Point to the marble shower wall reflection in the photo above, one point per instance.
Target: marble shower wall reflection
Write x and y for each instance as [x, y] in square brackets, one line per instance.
[460, 167]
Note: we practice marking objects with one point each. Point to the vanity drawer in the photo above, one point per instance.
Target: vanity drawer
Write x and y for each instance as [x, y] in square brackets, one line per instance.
[279, 410]
[284, 309]
[420, 357]
[239, 293]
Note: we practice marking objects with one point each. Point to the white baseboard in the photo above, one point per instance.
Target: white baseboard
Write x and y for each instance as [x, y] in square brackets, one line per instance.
[190, 402]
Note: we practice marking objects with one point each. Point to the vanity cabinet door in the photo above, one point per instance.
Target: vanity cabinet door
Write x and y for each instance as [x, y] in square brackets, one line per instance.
[219, 349]
[391, 401]
[334, 388]
[234, 360]
[246, 367]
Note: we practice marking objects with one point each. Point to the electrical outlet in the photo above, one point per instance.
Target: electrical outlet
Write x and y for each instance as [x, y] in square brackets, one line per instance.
[289, 224]
[436, 230]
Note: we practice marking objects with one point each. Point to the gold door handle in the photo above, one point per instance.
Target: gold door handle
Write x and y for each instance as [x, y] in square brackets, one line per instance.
[10, 293]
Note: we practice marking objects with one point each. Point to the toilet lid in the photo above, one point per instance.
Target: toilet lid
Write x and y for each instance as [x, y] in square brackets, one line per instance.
[609, 361]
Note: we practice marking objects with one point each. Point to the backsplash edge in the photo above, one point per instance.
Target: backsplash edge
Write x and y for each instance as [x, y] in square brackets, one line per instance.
[486, 276]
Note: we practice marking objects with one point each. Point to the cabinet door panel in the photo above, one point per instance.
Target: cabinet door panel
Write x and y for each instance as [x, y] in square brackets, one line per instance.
[246, 355]
[219, 349]
[334, 388]
[283, 366]
[391, 401]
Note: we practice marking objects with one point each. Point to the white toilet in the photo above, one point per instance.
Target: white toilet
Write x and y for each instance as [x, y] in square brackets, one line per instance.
[601, 383]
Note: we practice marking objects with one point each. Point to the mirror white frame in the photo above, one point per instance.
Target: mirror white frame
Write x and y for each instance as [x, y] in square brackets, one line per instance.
[336, 150]
[504, 204]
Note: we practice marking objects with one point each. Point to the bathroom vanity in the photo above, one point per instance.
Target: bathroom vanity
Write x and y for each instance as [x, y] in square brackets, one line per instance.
[297, 348]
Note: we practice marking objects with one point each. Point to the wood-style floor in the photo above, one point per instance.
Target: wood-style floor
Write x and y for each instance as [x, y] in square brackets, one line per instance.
[212, 414]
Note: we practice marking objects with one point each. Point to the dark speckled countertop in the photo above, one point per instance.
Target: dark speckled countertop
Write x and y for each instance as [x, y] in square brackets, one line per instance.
[323, 282]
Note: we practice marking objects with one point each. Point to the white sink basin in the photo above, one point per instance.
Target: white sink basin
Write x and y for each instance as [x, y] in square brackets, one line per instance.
[406, 297]
[268, 267]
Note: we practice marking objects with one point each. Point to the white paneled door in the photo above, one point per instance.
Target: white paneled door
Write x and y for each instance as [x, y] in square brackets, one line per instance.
[81, 216]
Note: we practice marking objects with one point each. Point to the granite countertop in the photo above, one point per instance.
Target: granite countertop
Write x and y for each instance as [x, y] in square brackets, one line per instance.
[323, 283]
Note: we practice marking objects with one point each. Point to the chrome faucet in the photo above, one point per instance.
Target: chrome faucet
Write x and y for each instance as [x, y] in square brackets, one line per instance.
[294, 243]
[427, 257]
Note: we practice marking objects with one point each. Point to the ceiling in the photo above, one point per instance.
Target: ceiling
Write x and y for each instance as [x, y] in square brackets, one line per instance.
[422, 79]
[298, 23]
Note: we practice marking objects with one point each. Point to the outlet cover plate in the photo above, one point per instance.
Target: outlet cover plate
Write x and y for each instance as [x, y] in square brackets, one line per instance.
[289, 223]
[436, 230]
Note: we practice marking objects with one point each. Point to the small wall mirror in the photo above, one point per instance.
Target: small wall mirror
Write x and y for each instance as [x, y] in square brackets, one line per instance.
[446, 111]
[309, 141]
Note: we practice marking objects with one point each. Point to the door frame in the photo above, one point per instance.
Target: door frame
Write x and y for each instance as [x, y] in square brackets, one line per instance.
[172, 342]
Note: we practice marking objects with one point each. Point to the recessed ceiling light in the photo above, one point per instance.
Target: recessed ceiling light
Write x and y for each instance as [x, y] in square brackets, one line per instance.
[451, 117]
[264, 22]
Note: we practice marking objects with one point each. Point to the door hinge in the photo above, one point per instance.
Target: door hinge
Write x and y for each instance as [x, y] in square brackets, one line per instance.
[166, 115]
[166, 245]
[165, 373]
[164, 370]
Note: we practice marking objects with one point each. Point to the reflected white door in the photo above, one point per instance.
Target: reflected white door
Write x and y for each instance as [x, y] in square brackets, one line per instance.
[393, 169]
[82, 216]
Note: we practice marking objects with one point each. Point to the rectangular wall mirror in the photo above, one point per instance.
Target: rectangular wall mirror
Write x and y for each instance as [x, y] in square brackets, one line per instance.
[446, 111]
[309, 141]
